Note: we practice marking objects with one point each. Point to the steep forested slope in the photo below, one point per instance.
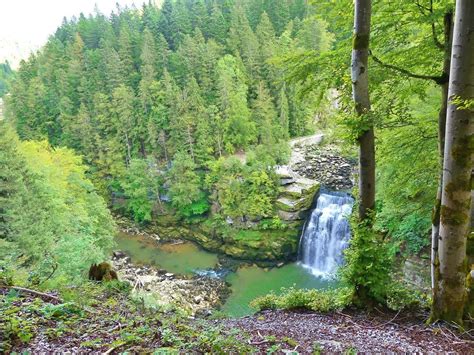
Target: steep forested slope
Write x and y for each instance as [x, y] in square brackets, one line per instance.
[52, 221]
[180, 86]
[6, 75]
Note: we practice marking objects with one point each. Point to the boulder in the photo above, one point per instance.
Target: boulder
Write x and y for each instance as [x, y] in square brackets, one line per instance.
[292, 216]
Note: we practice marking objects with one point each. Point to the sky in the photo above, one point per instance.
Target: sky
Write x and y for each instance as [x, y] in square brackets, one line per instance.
[32, 21]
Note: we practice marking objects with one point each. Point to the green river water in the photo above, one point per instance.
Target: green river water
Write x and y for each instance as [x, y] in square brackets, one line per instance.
[247, 283]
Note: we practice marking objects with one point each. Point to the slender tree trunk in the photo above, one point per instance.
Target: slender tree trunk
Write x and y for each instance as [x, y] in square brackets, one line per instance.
[129, 149]
[448, 39]
[190, 142]
[450, 296]
[360, 89]
[142, 148]
[162, 140]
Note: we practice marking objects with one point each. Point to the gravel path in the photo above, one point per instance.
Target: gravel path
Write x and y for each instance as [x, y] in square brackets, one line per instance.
[309, 333]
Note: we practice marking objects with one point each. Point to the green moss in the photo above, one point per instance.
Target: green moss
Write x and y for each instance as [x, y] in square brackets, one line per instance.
[166, 220]
[469, 309]
[290, 194]
[435, 215]
[453, 217]
[360, 41]
[462, 152]
[461, 184]
[248, 235]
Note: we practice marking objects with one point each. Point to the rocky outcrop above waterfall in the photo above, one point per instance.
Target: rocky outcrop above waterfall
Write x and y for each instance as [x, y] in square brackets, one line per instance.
[296, 196]
[324, 164]
[197, 295]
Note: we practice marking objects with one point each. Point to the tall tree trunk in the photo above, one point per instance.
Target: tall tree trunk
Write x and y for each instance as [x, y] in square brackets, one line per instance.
[129, 149]
[190, 142]
[448, 39]
[450, 296]
[162, 140]
[360, 90]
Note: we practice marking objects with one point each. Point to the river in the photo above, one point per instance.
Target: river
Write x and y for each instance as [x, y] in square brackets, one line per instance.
[246, 281]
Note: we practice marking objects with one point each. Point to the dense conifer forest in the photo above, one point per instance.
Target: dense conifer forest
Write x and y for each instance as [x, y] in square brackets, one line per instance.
[221, 125]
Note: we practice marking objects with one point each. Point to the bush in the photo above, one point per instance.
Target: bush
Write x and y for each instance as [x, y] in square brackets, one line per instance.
[314, 300]
[400, 297]
[368, 265]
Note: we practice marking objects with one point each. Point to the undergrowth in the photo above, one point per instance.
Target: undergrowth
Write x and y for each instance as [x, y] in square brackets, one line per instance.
[315, 300]
[96, 317]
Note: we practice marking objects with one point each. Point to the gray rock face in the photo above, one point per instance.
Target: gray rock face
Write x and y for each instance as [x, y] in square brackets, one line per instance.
[326, 166]
[292, 216]
[297, 192]
[296, 195]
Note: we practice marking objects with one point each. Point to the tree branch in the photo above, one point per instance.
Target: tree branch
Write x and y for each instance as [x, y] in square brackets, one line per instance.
[424, 10]
[433, 30]
[437, 43]
[438, 79]
[37, 293]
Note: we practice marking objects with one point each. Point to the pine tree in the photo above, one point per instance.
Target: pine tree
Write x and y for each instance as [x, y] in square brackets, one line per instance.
[123, 103]
[279, 13]
[218, 26]
[267, 43]
[162, 55]
[283, 112]
[125, 52]
[112, 67]
[147, 70]
[239, 129]
[184, 184]
[265, 117]
[242, 41]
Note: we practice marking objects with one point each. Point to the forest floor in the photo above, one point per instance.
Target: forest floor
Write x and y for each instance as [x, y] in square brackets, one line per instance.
[349, 332]
[111, 323]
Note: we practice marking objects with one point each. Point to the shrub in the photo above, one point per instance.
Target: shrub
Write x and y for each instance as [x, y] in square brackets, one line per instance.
[315, 300]
[368, 265]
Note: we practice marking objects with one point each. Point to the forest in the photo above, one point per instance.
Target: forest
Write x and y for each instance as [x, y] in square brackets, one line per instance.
[219, 129]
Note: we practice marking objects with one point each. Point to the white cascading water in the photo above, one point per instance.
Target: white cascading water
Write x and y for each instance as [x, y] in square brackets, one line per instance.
[326, 234]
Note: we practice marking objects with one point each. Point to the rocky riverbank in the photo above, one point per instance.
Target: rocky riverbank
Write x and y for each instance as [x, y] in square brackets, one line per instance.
[199, 295]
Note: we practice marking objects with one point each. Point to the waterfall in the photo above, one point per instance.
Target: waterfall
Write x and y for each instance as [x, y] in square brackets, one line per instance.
[326, 234]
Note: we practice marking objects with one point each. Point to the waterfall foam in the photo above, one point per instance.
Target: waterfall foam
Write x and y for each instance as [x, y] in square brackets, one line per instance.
[326, 234]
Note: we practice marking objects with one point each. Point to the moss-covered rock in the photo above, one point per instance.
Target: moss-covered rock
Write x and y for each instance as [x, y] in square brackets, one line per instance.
[245, 244]
[263, 245]
[296, 199]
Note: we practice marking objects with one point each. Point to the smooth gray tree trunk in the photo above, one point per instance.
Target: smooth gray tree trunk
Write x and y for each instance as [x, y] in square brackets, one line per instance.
[448, 42]
[360, 90]
[450, 296]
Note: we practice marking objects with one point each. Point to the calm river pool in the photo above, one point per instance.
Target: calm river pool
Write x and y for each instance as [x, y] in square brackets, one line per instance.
[247, 283]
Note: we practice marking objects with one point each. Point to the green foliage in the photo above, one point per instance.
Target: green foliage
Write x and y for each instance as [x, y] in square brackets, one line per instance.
[315, 300]
[185, 192]
[51, 214]
[401, 297]
[196, 208]
[397, 297]
[142, 184]
[243, 190]
[148, 84]
[6, 75]
[368, 264]
[407, 182]
[368, 272]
